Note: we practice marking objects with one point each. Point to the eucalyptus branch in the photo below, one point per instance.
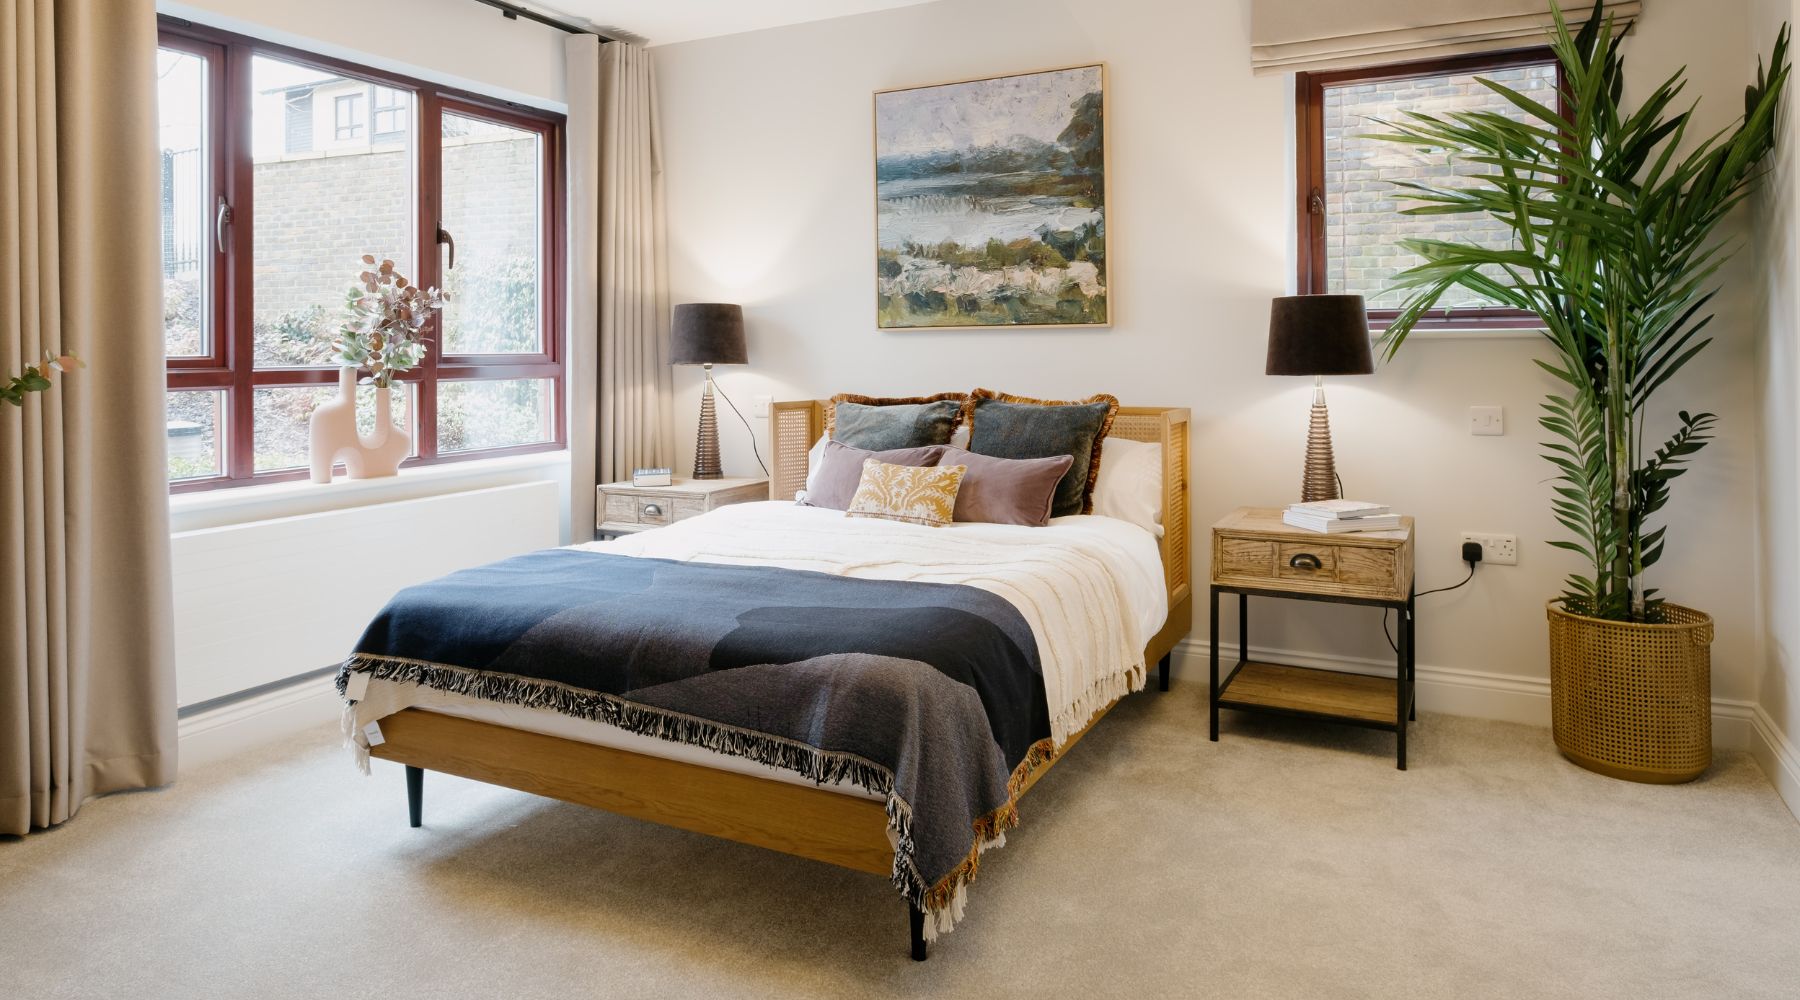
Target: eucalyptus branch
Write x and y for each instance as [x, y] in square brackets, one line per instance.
[38, 377]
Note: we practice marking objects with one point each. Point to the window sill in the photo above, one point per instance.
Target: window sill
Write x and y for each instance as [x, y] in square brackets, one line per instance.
[221, 508]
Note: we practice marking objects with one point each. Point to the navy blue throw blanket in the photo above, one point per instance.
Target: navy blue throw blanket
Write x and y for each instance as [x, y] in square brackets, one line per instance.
[928, 694]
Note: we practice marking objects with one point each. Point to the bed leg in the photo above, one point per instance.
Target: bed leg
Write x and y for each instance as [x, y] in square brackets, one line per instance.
[415, 794]
[1162, 671]
[918, 932]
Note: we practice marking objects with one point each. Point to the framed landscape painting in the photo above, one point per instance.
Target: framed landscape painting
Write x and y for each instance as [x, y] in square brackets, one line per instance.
[990, 202]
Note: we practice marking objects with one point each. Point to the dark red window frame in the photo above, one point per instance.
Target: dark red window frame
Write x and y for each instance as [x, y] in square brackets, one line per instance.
[1309, 206]
[228, 364]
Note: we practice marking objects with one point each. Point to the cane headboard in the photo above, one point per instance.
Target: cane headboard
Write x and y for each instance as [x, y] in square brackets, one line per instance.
[794, 426]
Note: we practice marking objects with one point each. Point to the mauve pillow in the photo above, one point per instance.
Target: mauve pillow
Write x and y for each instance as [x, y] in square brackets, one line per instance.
[1006, 490]
[841, 469]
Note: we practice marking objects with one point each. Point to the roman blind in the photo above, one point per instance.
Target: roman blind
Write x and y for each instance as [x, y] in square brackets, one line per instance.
[1305, 35]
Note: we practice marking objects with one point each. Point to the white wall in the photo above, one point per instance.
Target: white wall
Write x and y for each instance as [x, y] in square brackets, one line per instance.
[1778, 384]
[770, 191]
[456, 43]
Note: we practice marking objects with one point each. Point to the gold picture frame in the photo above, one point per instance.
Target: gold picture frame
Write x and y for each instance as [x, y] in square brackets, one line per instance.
[1023, 241]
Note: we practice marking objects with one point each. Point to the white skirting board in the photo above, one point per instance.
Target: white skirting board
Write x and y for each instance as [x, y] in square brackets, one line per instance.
[220, 733]
[1737, 725]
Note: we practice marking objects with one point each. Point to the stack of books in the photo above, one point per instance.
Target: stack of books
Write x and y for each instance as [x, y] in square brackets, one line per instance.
[1334, 516]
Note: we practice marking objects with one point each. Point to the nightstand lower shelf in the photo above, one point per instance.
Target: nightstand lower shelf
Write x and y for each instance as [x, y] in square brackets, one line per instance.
[1330, 695]
[1336, 696]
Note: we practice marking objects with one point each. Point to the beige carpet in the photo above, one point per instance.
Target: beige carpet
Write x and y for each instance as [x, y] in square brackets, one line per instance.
[1286, 861]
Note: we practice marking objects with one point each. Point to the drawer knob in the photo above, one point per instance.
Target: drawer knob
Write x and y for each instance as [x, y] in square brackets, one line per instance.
[1305, 560]
[654, 510]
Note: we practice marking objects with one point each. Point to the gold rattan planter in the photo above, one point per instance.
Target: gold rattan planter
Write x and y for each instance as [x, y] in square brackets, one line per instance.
[1633, 701]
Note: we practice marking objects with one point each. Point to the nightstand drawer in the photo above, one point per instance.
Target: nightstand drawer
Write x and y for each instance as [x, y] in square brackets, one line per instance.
[1255, 549]
[1306, 561]
[1377, 569]
[655, 510]
[686, 507]
[621, 510]
[1246, 557]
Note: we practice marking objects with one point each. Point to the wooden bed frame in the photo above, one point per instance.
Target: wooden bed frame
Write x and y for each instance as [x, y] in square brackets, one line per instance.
[844, 830]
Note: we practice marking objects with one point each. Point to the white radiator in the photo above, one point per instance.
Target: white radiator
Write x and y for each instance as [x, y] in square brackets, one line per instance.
[267, 600]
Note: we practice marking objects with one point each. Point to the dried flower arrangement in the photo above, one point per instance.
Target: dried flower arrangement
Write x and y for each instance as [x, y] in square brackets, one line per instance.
[36, 378]
[386, 329]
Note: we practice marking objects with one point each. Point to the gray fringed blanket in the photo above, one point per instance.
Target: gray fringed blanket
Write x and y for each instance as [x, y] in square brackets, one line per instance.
[928, 694]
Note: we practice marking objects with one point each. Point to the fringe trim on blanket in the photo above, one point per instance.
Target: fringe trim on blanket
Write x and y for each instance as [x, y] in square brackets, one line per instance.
[1094, 700]
[941, 901]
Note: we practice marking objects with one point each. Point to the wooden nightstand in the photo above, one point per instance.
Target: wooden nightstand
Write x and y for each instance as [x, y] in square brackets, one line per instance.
[621, 508]
[1255, 554]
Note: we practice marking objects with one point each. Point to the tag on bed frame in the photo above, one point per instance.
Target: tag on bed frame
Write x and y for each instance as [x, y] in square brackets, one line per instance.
[373, 732]
[357, 687]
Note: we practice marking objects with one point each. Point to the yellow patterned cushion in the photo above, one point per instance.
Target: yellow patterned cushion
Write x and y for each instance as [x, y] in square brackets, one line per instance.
[920, 495]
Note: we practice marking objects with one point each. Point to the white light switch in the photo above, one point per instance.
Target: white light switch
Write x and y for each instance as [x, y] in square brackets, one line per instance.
[1487, 420]
[759, 405]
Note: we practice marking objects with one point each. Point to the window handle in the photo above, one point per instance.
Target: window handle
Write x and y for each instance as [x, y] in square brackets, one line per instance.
[222, 220]
[1315, 203]
[443, 237]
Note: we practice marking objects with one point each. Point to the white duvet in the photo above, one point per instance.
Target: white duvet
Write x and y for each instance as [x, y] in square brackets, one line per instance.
[1091, 588]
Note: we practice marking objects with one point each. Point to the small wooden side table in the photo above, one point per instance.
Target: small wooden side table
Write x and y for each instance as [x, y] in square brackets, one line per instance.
[1254, 554]
[621, 508]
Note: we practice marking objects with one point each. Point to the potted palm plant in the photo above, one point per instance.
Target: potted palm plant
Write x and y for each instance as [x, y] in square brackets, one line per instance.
[1613, 215]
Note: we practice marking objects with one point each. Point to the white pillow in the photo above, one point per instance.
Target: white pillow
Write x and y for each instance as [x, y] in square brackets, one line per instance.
[814, 456]
[1130, 485]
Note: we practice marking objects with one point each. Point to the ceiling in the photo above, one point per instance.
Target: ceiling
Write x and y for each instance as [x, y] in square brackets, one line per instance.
[660, 22]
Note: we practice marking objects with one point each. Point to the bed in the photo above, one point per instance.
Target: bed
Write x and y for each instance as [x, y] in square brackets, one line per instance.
[1101, 598]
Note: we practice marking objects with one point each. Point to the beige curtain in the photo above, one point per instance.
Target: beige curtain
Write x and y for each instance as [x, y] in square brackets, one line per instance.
[620, 387]
[1292, 35]
[87, 673]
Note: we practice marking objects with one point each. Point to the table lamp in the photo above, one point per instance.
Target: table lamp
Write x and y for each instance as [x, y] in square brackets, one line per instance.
[707, 334]
[1319, 335]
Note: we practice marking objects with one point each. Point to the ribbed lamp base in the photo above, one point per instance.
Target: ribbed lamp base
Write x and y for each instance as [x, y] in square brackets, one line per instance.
[706, 445]
[1320, 481]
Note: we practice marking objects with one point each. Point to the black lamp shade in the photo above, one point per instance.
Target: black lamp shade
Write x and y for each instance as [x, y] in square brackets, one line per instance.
[1319, 335]
[708, 333]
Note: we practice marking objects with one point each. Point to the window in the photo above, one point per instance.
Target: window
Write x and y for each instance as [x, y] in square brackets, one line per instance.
[1349, 219]
[388, 113]
[262, 234]
[347, 112]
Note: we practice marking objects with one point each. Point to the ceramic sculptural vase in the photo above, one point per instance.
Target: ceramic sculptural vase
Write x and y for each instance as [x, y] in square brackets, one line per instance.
[334, 436]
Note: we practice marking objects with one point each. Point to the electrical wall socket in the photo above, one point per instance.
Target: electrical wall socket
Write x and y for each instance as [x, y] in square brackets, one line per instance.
[1500, 550]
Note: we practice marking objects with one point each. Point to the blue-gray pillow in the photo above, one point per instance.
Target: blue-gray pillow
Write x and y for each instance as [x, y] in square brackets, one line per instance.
[1007, 426]
[877, 424]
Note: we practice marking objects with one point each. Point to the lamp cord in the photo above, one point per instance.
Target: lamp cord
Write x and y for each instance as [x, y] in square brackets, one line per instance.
[753, 449]
[1440, 590]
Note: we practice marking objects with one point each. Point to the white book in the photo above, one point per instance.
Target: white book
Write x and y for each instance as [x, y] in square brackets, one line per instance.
[1340, 525]
[1341, 508]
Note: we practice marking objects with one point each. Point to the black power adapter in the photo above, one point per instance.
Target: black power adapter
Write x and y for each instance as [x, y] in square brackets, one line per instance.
[1471, 552]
